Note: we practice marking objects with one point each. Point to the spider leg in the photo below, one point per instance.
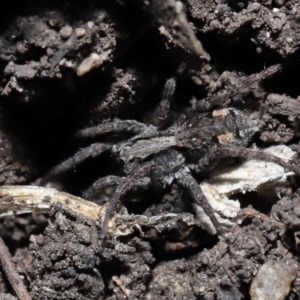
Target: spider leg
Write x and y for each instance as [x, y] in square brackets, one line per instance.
[163, 110]
[219, 151]
[152, 132]
[90, 151]
[101, 183]
[207, 162]
[97, 148]
[111, 180]
[185, 179]
[113, 127]
[124, 187]
[234, 151]
[245, 86]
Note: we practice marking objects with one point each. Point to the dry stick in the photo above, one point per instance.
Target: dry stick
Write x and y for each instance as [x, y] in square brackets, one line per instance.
[25, 199]
[11, 273]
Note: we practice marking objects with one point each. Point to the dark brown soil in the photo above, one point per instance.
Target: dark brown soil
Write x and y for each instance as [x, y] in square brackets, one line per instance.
[49, 90]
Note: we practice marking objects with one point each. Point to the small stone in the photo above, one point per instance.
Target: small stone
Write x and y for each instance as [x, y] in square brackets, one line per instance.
[90, 24]
[273, 281]
[7, 297]
[66, 32]
[254, 7]
[93, 61]
[80, 32]
[215, 24]
[297, 211]
[50, 52]
[24, 72]
[83, 233]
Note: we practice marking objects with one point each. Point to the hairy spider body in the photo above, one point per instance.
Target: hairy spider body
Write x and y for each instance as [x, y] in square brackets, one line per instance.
[157, 156]
[221, 126]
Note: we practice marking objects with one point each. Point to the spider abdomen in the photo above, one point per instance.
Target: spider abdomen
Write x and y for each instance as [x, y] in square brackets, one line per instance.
[221, 126]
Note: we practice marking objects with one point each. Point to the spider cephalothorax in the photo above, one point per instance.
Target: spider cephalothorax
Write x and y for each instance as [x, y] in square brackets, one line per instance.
[158, 156]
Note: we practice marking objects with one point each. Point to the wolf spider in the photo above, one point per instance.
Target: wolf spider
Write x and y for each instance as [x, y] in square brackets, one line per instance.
[159, 155]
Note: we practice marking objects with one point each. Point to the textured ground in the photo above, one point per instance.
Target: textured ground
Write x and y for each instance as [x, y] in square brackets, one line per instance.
[66, 65]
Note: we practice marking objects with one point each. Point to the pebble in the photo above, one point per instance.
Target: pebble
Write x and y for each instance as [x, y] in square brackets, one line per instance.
[66, 32]
[273, 281]
[80, 32]
[93, 61]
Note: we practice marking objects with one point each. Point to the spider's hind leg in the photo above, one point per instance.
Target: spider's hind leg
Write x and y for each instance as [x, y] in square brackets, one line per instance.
[234, 151]
[80, 156]
[234, 92]
[130, 126]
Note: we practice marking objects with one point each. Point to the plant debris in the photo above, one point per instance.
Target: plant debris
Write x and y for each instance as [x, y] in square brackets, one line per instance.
[69, 66]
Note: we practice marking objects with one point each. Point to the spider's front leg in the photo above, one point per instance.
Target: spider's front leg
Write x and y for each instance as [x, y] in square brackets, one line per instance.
[110, 181]
[119, 126]
[170, 164]
[185, 179]
[140, 130]
[121, 190]
[163, 109]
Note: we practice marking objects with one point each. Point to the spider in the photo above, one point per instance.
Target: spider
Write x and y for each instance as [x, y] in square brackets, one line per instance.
[159, 156]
